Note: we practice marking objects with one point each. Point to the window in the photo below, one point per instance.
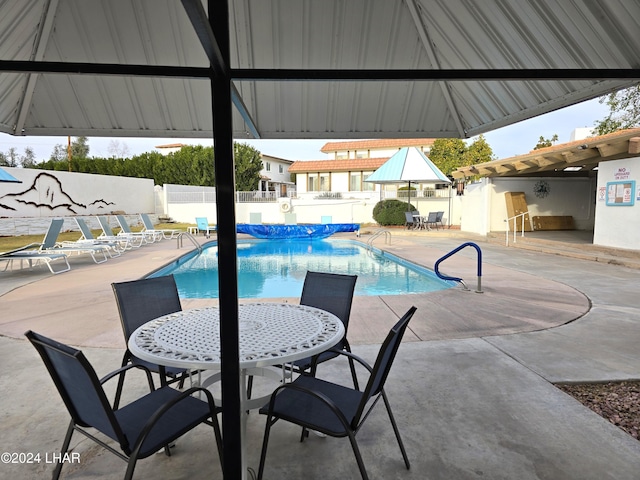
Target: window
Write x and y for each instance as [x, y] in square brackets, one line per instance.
[325, 184]
[354, 181]
[312, 182]
[280, 168]
[357, 182]
[267, 166]
[367, 186]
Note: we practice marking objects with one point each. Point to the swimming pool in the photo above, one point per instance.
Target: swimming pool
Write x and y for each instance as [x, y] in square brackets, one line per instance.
[276, 269]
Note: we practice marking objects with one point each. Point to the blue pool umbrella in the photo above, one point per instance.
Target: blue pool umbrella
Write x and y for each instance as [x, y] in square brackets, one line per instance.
[6, 177]
[408, 165]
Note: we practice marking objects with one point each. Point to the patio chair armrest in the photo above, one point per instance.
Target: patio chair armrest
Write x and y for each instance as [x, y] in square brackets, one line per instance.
[123, 370]
[339, 351]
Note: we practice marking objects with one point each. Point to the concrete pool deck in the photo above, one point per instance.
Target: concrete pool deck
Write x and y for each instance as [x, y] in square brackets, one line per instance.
[471, 390]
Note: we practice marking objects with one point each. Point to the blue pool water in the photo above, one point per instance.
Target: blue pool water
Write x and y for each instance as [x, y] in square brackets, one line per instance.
[276, 268]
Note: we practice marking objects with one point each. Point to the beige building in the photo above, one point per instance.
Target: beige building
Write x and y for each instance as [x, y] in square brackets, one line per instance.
[349, 163]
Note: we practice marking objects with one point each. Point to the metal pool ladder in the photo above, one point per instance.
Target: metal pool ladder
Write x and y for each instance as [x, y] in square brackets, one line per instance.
[379, 233]
[457, 279]
[190, 237]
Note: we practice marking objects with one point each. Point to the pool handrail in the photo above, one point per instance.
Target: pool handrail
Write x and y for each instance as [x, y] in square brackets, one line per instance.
[378, 233]
[190, 237]
[457, 279]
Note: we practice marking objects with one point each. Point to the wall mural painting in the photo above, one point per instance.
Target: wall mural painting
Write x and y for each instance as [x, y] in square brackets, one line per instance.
[47, 192]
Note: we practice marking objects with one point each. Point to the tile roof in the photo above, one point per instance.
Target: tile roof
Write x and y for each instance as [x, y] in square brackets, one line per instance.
[304, 166]
[376, 143]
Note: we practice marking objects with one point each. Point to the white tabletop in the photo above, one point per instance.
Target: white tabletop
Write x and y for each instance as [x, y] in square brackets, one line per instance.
[270, 334]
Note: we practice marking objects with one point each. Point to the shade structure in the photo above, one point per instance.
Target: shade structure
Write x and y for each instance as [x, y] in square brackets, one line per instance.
[7, 177]
[300, 69]
[408, 165]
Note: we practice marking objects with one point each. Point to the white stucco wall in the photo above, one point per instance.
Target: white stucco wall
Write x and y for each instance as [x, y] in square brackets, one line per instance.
[45, 193]
[618, 226]
[474, 207]
[567, 196]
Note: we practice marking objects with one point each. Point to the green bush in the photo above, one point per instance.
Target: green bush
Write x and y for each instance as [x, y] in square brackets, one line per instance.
[391, 212]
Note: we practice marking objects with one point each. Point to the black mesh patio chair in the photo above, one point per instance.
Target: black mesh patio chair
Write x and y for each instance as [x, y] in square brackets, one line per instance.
[140, 301]
[432, 219]
[333, 293]
[439, 216]
[410, 220]
[333, 409]
[141, 427]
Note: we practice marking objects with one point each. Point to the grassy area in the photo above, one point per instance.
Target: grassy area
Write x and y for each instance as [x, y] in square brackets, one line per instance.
[11, 243]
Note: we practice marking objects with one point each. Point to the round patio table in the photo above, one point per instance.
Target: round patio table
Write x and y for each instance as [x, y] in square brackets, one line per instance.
[269, 334]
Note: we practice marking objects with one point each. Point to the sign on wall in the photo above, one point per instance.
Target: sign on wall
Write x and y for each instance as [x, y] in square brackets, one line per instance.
[621, 193]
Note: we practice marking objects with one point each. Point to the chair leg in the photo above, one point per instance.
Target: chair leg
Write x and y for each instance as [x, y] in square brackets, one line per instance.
[63, 451]
[395, 430]
[265, 441]
[131, 465]
[356, 452]
[120, 386]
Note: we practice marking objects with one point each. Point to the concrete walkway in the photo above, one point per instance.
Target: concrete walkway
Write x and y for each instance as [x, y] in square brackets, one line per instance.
[471, 388]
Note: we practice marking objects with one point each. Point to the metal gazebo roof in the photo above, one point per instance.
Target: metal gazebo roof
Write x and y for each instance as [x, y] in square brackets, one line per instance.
[300, 69]
[402, 68]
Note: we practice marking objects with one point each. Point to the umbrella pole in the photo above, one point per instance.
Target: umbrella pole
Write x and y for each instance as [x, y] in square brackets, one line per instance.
[409, 197]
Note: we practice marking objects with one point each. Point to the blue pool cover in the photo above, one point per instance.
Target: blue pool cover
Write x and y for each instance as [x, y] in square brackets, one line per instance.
[296, 231]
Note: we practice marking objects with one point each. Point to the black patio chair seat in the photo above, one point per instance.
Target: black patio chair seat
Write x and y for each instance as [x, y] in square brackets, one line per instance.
[140, 428]
[333, 409]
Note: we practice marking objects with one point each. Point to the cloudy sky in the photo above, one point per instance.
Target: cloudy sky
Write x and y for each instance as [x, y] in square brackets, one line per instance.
[506, 142]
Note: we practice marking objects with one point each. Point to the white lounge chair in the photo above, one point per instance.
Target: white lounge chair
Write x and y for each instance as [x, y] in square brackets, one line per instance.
[148, 237]
[116, 245]
[51, 245]
[131, 241]
[34, 257]
[167, 233]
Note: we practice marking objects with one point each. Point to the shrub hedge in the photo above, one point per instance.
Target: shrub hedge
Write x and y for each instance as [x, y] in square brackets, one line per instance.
[391, 212]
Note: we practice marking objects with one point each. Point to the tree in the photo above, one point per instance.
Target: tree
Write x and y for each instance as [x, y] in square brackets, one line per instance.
[12, 157]
[118, 149]
[28, 160]
[546, 142]
[624, 111]
[79, 149]
[248, 164]
[478, 152]
[448, 154]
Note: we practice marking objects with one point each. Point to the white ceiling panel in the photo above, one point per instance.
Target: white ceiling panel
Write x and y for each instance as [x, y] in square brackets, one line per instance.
[310, 38]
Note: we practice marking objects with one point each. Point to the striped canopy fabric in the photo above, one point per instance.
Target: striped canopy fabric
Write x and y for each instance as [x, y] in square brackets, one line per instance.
[408, 165]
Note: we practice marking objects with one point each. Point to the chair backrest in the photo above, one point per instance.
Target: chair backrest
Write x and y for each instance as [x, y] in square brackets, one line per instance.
[84, 229]
[123, 224]
[140, 301]
[106, 228]
[432, 218]
[408, 217]
[439, 216]
[146, 221]
[384, 361]
[52, 233]
[78, 385]
[332, 292]
[202, 223]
